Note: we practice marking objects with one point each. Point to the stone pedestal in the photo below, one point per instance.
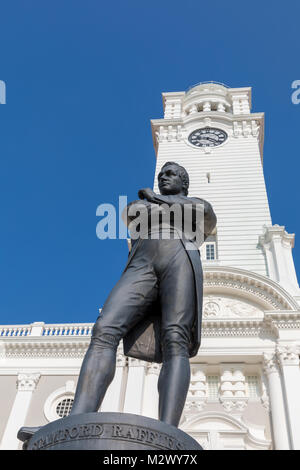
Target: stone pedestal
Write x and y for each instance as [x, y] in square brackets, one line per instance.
[107, 431]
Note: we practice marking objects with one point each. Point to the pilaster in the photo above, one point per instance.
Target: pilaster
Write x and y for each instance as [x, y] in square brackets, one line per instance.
[288, 357]
[150, 395]
[277, 245]
[135, 386]
[278, 414]
[114, 398]
[26, 384]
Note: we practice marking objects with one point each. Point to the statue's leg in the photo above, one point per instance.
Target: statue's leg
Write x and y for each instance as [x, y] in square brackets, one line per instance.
[126, 305]
[178, 304]
[173, 385]
[97, 372]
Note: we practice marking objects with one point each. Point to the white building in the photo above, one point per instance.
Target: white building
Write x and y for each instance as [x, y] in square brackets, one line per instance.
[245, 385]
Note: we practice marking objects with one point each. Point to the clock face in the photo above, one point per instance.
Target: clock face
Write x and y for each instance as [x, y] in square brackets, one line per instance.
[207, 137]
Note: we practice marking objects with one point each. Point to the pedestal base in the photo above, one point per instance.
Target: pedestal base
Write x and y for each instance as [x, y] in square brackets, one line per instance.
[107, 431]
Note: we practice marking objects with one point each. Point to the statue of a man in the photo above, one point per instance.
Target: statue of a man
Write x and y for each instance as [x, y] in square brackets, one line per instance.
[156, 306]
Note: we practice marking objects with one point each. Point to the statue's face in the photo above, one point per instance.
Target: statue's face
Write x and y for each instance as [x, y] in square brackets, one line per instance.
[169, 180]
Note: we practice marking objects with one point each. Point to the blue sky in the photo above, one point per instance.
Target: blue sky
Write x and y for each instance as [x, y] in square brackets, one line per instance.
[83, 80]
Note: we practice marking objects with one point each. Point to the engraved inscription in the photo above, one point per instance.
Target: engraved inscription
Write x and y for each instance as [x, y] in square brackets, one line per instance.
[123, 432]
[84, 431]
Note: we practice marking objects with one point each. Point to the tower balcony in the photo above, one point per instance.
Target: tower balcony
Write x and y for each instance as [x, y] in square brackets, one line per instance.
[205, 98]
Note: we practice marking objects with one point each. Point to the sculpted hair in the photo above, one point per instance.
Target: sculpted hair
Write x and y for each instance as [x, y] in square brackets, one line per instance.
[183, 175]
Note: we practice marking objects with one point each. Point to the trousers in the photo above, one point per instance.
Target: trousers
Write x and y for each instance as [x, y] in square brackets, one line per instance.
[160, 271]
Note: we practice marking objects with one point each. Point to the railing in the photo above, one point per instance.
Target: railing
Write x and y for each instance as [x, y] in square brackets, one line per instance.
[204, 83]
[40, 329]
[14, 330]
[68, 330]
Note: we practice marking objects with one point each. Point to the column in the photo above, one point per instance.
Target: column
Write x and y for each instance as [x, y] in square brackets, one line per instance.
[279, 423]
[135, 386]
[207, 106]
[26, 384]
[114, 398]
[150, 397]
[193, 109]
[289, 361]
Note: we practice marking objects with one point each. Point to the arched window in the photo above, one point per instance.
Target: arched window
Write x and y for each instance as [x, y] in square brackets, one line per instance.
[59, 403]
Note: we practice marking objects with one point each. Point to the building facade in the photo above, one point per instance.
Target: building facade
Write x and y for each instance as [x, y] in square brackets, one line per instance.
[246, 377]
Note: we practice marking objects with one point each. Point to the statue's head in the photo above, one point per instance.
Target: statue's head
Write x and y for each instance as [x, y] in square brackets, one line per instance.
[173, 179]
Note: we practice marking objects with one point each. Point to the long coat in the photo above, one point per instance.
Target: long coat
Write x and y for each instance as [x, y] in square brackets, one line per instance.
[143, 340]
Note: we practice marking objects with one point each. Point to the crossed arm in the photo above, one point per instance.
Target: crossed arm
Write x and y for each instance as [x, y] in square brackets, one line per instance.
[210, 218]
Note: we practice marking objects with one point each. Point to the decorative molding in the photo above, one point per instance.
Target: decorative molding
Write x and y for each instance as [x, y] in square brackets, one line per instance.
[27, 382]
[211, 308]
[270, 363]
[288, 355]
[43, 348]
[233, 388]
[264, 399]
[254, 287]
[277, 232]
[194, 406]
[228, 328]
[229, 307]
[152, 368]
[178, 130]
[265, 402]
[197, 393]
[283, 320]
[121, 360]
[232, 404]
[132, 362]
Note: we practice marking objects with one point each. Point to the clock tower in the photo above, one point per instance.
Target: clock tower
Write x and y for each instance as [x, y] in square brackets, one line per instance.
[247, 366]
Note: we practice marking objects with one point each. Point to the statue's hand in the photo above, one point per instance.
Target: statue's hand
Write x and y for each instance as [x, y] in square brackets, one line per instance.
[146, 193]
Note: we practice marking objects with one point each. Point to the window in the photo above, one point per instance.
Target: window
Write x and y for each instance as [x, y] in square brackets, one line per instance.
[253, 386]
[63, 408]
[213, 386]
[210, 251]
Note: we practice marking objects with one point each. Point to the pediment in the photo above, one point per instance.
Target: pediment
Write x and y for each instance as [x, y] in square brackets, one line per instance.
[245, 292]
[228, 306]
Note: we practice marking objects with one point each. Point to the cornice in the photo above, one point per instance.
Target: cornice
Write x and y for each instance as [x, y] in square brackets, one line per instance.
[41, 348]
[237, 328]
[212, 115]
[236, 125]
[277, 233]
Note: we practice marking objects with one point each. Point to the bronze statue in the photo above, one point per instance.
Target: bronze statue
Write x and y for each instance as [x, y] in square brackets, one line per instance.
[155, 307]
